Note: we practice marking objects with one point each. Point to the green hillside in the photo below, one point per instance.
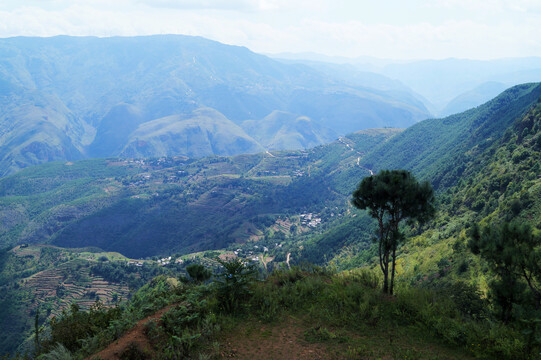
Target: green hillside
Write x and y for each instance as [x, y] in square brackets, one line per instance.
[162, 205]
[437, 150]
[280, 209]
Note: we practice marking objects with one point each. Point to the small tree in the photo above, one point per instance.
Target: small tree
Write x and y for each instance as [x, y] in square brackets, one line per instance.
[390, 197]
[233, 283]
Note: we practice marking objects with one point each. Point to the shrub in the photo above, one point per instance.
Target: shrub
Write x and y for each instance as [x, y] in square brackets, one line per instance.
[233, 284]
[58, 352]
[198, 273]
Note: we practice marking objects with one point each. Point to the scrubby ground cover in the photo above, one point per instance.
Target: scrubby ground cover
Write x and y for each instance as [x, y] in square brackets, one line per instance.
[305, 311]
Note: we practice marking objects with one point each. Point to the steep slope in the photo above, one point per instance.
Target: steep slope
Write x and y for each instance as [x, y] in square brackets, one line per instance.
[437, 149]
[105, 88]
[500, 182]
[485, 164]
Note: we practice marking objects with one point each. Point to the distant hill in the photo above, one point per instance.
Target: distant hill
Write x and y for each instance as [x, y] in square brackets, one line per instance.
[445, 87]
[441, 81]
[281, 130]
[202, 132]
[68, 98]
[473, 98]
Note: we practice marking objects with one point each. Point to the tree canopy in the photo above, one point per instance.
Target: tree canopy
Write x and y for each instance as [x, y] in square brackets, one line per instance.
[513, 252]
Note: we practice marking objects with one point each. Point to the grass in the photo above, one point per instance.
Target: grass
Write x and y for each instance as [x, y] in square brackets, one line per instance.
[304, 312]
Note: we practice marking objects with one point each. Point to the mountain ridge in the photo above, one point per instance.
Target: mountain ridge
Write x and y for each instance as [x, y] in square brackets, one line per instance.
[104, 88]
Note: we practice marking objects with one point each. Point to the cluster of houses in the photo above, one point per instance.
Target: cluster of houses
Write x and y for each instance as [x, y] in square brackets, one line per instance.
[310, 220]
[164, 261]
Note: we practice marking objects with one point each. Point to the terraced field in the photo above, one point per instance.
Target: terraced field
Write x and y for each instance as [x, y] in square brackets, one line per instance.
[56, 289]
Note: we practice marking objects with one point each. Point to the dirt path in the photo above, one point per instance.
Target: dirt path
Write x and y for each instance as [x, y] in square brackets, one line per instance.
[135, 336]
[285, 340]
[341, 140]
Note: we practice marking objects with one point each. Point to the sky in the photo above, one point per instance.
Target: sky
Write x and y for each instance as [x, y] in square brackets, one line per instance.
[388, 29]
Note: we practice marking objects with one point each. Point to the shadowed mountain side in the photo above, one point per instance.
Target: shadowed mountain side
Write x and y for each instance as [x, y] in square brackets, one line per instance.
[200, 133]
[115, 129]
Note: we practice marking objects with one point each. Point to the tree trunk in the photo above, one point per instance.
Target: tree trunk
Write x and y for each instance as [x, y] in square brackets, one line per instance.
[392, 270]
[386, 274]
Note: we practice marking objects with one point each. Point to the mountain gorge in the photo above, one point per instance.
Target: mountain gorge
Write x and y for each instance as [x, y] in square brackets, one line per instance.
[68, 98]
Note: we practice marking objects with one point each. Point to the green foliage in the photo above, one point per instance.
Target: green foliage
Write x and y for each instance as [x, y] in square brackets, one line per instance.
[58, 352]
[390, 197]
[514, 254]
[198, 272]
[233, 284]
[321, 334]
[72, 326]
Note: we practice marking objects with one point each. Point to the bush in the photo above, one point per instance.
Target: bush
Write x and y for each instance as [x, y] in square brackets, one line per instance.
[198, 273]
[59, 352]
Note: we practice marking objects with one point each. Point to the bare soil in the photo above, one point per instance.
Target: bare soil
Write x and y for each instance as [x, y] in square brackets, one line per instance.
[285, 340]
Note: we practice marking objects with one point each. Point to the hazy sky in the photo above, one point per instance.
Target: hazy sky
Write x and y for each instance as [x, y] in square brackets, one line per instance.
[398, 29]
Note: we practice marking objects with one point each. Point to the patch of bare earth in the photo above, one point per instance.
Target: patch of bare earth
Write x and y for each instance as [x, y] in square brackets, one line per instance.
[136, 336]
[285, 340]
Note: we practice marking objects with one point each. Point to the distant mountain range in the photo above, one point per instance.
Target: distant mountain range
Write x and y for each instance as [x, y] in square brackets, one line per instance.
[446, 86]
[70, 98]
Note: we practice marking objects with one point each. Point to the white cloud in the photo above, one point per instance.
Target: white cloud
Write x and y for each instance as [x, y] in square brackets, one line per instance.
[273, 26]
[237, 5]
[492, 6]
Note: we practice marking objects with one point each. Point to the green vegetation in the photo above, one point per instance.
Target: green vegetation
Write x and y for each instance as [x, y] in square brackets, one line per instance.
[198, 272]
[513, 253]
[290, 207]
[158, 206]
[331, 307]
